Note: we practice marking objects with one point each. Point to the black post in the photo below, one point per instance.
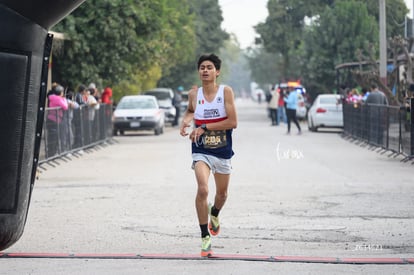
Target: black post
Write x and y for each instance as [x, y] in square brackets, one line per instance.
[412, 126]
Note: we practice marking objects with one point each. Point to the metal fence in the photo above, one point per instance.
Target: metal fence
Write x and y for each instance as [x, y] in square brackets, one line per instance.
[387, 127]
[67, 131]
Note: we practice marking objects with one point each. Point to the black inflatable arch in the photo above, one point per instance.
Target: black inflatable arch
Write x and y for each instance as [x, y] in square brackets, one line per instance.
[25, 46]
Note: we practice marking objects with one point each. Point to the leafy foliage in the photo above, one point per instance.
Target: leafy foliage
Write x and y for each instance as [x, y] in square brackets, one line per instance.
[330, 42]
[209, 38]
[265, 66]
[112, 42]
[396, 11]
[235, 70]
[311, 37]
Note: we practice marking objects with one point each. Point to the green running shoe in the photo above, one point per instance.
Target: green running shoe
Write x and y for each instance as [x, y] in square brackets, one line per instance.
[214, 224]
[206, 247]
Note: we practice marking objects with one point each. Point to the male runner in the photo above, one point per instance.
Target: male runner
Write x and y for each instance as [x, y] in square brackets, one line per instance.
[212, 110]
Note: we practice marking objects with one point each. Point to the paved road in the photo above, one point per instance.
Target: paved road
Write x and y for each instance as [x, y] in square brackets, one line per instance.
[309, 195]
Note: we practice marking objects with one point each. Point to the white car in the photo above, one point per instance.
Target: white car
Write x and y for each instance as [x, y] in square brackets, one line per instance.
[326, 111]
[165, 99]
[138, 112]
[301, 110]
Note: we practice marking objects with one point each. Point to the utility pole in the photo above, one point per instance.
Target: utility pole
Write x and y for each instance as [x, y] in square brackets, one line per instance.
[383, 42]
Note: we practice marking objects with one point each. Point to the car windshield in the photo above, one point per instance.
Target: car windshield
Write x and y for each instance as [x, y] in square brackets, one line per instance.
[159, 95]
[328, 100]
[136, 104]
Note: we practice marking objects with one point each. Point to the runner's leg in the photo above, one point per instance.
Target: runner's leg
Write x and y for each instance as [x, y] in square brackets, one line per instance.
[222, 184]
[202, 172]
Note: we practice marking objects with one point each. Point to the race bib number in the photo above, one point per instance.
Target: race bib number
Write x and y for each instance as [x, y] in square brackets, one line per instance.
[215, 139]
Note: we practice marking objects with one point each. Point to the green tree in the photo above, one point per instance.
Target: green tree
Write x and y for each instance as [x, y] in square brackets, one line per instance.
[235, 70]
[114, 42]
[209, 38]
[396, 10]
[265, 67]
[283, 29]
[292, 28]
[280, 30]
[329, 41]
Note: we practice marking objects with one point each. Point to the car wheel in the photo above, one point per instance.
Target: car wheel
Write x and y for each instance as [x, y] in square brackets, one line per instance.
[310, 126]
[121, 132]
[115, 132]
[158, 131]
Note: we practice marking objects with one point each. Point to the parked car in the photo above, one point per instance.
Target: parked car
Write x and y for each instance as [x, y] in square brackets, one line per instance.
[165, 99]
[138, 112]
[326, 111]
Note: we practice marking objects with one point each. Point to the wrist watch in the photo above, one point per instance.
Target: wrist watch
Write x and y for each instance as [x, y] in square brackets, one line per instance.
[203, 126]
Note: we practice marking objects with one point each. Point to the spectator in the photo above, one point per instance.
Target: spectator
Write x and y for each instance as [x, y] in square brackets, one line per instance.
[57, 105]
[365, 94]
[51, 91]
[281, 112]
[291, 106]
[94, 91]
[84, 98]
[68, 136]
[376, 96]
[106, 97]
[92, 104]
[273, 106]
[377, 114]
[88, 104]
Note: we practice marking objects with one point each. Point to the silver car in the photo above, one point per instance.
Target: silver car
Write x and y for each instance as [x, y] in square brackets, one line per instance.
[326, 111]
[138, 112]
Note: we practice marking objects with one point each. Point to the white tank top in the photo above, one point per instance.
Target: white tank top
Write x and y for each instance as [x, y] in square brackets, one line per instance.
[206, 112]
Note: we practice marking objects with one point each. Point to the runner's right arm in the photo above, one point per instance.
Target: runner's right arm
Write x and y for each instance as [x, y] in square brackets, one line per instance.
[189, 113]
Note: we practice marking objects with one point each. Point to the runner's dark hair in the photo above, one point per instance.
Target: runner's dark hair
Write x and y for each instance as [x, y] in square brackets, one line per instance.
[210, 57]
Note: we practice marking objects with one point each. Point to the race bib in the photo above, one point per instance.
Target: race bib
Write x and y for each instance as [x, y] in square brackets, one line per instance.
[214, 139]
